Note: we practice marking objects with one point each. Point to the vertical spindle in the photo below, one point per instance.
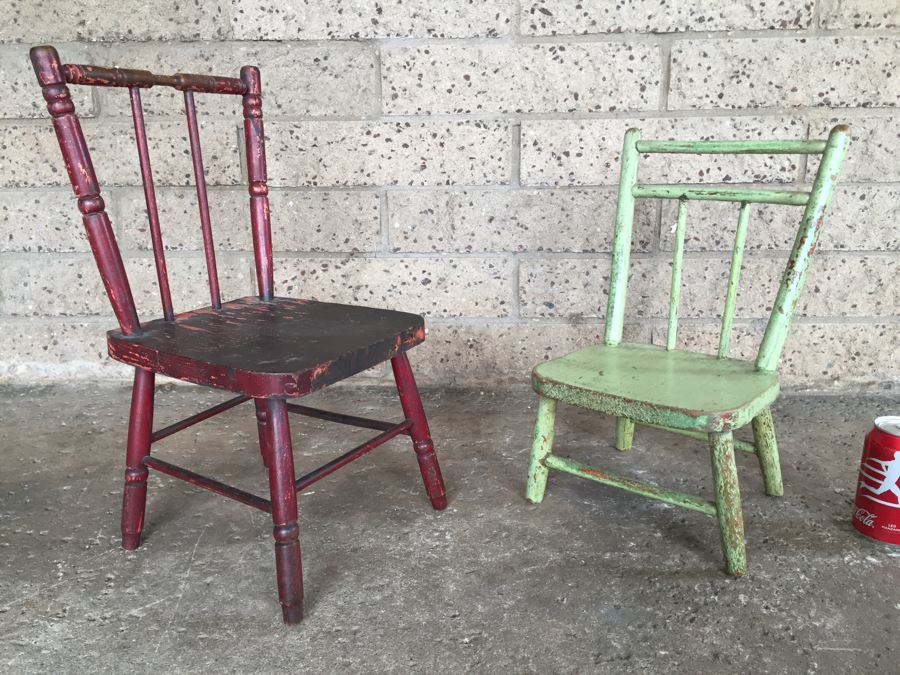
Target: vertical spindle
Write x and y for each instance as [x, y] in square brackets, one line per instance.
[202, 199]
[140, 137]
[734, 276]
[678, 259]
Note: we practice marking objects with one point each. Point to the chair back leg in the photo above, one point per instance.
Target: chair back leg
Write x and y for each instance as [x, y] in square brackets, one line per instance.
[262, 430]
[411, 403]
[542, 444]
[767, 452]
[728, 501]
[285, 530]
[140, 426]
[624, 434]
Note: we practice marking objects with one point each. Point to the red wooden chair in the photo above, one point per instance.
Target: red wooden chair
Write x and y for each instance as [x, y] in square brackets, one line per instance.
[263, 348]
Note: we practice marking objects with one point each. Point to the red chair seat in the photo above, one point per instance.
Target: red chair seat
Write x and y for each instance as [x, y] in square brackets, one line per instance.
[282, 347]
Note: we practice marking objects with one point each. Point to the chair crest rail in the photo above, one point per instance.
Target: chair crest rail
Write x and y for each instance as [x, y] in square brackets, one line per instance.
[100, 76]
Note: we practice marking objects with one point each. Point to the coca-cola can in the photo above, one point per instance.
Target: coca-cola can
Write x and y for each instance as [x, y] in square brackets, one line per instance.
[878, 490]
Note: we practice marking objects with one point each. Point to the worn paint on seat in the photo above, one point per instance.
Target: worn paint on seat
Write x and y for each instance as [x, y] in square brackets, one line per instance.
[652, 385]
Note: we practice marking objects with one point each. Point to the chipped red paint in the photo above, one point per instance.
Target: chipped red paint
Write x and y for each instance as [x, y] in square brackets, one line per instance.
[254, 141]
[421, 435]
[77, 159]
[125, 77]
[251, 345]
[266, 348]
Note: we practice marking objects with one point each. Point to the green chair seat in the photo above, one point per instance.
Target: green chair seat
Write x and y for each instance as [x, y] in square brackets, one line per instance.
[652, 385]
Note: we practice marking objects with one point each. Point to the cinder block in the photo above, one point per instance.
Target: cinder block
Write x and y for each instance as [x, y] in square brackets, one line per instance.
[115, 153]
[450, 78]
[844, 285]
[42, 221]
[552, 17]
[298, 79]
[388, 153]
[32, 156]
[188, 282]
[783, 72]
[587, 152]
[360, 19]
[861, 218]
[50, 21]
[859, 14]
[837, 285]
[455, 354]
[340, 221]
[818, 355]
[873, 151]
[564, 287]
[45, 286]
[23, 94]
[180, 220]
[511, 220]
[48, 286]
[333, 221]
[433, 287]
[56, 349]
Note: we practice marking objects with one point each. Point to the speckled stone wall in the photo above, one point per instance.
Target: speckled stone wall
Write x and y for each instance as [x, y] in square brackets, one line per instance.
[459, 159]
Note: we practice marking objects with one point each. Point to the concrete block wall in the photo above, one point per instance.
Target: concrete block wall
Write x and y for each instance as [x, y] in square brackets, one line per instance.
[459, 159]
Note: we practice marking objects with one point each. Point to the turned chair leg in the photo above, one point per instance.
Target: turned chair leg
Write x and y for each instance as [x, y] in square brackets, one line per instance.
[140, 426]
[624, 434]
[767, 452]
[284, 509]
[542, 444]
[728, 501]
[411, 403]
[262, 430]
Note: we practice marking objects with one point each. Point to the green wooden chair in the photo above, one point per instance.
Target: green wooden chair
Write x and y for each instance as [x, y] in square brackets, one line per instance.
[697, 395]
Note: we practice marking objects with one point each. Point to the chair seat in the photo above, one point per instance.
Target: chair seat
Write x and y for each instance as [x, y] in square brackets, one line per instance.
[281, 347]
[651, 385]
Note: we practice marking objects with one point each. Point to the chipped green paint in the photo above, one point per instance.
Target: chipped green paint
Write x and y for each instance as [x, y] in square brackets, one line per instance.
[767, 452]
[618, 274]
[734, 276]
[649, 384]
[637, 487]
[743, 446]
[728, 502]
[721, 194]
[677, 262]
[697, 395]
[624, 434]
[542, 444]
[761, 147]
[804, 245]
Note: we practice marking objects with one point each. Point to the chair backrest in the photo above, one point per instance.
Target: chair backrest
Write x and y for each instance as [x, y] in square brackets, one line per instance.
[815, 203]
[54, 76]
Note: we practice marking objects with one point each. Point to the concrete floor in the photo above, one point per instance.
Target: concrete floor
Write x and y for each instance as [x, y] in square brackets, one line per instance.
[593, 580]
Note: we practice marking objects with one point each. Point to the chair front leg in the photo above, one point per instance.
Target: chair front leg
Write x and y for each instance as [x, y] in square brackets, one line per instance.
[140, 426]
[541, 445]
[767, 452]
[624, 434]
[728, 501]
[411, 403]
[285, 530]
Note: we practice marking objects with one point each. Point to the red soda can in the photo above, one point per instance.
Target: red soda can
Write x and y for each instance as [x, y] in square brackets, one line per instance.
[878, 491]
